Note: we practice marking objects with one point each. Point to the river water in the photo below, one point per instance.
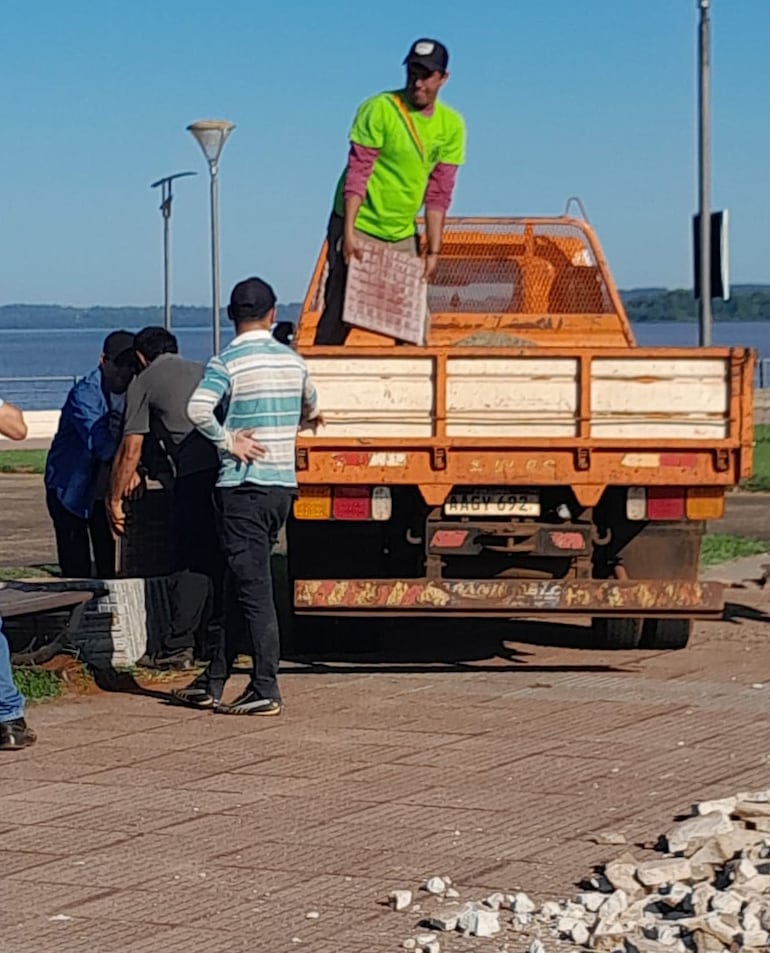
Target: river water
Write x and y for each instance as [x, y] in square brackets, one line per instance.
[69, 353]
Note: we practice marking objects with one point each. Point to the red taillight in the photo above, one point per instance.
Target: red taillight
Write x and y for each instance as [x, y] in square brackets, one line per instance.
[567, 540]
[352, 503]
[665, 503]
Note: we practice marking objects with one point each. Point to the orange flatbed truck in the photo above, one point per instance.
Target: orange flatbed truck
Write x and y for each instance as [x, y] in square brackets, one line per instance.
[529, 460]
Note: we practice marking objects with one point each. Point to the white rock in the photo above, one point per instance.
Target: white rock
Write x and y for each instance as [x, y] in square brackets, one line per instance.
[579, 934]
[312, 915]
[495, 900]
[621, 873]
[614, 905]
[551, 908]
[446, 917]
[676, 895]
[433, 947]
[410, 943]
[536, 946]
[654, 873]
[565, 925]
[742, 871]
[435, 885]
[759, 797]
[726, 901]
[696, 829]
[423, 939]
[609, 837]
[479, 922]
[591, 900]
[522, 904]
[452, 894]
[756, 939]
[400, 899]
[700, 898]
[722, 930]
[725, 805]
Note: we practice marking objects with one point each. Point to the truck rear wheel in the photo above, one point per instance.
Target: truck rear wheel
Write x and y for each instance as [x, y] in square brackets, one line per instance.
[617, 634]
[666, 634]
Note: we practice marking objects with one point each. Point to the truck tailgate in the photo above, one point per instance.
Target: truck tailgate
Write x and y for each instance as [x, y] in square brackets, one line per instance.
[531, 415]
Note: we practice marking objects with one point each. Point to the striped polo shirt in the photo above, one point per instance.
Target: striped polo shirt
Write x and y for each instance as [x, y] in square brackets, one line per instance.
[261, 386]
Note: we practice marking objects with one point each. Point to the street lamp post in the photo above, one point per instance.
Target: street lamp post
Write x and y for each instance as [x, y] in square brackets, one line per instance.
[704, 172]
[211, 135]
[165, 208]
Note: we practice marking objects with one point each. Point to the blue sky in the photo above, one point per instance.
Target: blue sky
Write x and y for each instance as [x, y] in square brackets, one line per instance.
[589, 97]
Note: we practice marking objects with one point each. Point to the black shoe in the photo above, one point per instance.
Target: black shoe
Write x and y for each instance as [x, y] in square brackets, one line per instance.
[194, 696]
[15, 735]
[181, 661]
[249, 703]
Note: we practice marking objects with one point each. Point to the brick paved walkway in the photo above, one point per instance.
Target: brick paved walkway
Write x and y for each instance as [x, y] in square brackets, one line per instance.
[136, 826]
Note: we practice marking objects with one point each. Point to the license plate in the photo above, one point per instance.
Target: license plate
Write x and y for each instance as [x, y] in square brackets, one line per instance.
[313, 503]
[492, 503]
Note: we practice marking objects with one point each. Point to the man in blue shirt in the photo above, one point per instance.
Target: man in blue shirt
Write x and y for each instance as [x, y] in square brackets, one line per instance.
[14, 733]
[77, 468]
[265, 392]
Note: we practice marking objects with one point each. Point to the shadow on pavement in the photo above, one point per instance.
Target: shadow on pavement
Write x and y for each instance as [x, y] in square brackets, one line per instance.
[734, 612]
[360, 646]
[112, 680]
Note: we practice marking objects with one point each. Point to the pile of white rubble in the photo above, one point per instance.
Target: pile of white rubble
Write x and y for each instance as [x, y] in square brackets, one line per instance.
[709, 892]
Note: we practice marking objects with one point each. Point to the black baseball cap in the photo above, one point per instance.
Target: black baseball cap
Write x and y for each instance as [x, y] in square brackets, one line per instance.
[251, 298]
[118, 345]
[428, 53]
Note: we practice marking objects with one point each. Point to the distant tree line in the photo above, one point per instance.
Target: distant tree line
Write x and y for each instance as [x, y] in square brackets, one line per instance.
[30, 316]
[747, 303]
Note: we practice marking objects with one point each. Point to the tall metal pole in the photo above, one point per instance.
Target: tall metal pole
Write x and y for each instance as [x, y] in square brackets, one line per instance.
[211, 135]
[166, 210]
[215, 254]
[704, 171]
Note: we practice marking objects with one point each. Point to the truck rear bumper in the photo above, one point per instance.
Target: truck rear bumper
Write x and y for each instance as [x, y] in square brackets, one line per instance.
[509, 597]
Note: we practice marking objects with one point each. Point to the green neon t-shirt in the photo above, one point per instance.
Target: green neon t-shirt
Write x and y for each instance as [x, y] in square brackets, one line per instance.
[396, 189]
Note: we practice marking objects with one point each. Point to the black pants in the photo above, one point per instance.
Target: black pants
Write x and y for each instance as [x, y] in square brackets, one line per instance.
[249, 519]
[76, 536]
[195, 587]
[331, 329]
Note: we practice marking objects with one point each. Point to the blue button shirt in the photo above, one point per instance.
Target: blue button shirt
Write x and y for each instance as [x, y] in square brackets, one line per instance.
[88, 436]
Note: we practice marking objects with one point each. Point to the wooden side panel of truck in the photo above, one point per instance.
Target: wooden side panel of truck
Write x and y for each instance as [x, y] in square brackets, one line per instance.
[529, 459]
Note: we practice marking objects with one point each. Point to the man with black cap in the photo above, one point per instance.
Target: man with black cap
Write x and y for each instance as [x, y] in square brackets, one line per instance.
[405, 149]
[267, 393]
[77, 468]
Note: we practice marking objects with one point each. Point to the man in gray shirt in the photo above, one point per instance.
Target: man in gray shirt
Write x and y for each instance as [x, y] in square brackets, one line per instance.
[156, 405]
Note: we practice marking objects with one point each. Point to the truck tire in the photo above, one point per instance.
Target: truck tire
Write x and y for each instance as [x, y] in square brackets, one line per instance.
[666, 634]
[617, 634]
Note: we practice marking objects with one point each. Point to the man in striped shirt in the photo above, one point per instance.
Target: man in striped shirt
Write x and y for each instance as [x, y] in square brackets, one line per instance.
[263, 389]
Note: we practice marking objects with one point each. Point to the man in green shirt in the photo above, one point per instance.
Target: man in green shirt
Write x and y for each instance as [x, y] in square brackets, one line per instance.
[405, 149]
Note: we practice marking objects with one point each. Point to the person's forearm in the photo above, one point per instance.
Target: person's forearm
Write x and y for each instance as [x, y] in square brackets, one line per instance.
[201, 412]
[124, 467]
[434, 229]
[352, 204]
[12, 423]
